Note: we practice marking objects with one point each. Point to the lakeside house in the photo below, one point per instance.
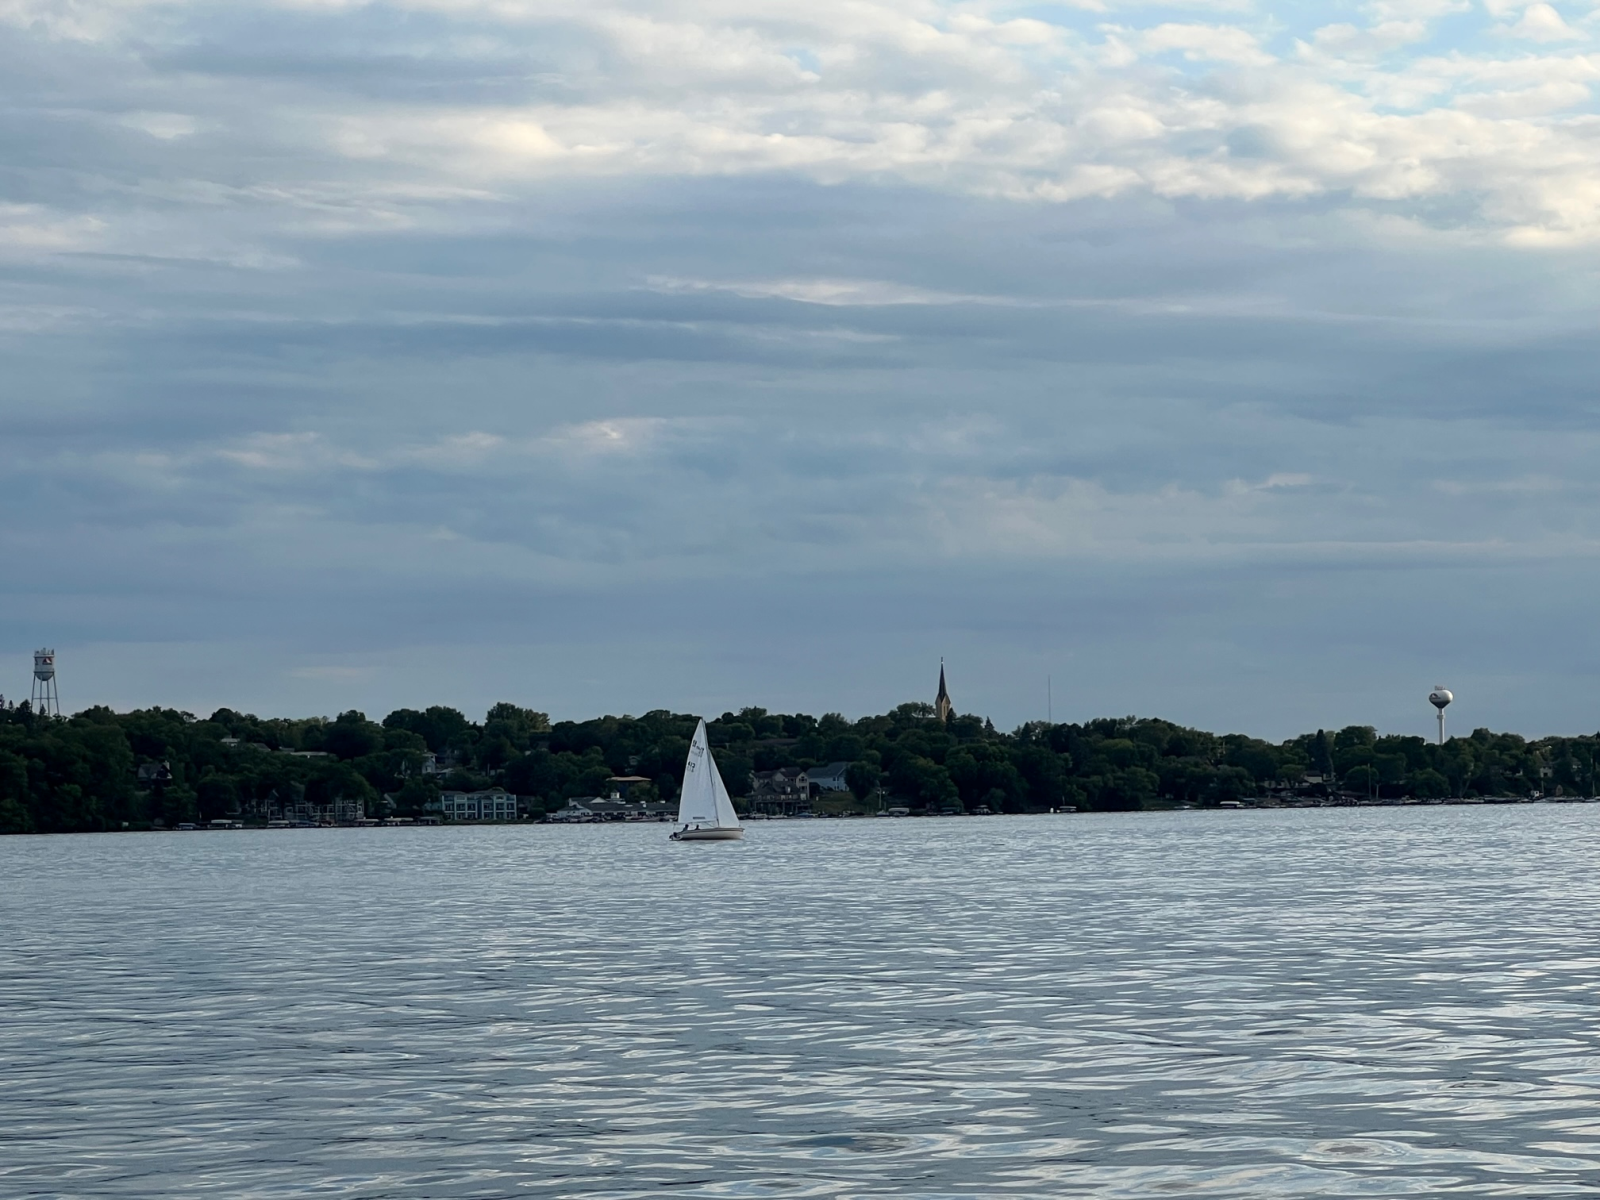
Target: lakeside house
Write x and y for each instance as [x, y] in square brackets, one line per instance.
[153, 773]
[279, 810]
[297, 810]
[490, 804]
[588, 810]
[829, 778]
[429, 764]
[620, 784]
[781, 793]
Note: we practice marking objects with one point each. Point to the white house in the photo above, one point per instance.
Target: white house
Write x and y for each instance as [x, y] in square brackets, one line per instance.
[493, 804]
[588, 809]
[829, 778]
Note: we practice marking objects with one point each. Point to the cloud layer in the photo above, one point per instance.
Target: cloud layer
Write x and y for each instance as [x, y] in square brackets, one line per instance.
[612, 355]
[341, 116]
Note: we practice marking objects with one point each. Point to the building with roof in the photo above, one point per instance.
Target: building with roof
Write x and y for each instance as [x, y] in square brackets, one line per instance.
[491, 804]
[830, 778]
[781, 793]
[588, 810]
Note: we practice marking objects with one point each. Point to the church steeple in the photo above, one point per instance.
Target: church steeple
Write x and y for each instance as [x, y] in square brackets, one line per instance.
[941, 705]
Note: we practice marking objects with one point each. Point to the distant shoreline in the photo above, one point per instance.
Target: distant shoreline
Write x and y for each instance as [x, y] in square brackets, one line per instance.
[759, 821]
[100, 770]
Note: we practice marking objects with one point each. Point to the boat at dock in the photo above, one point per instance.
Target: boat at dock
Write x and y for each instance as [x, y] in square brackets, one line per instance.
[705, 810]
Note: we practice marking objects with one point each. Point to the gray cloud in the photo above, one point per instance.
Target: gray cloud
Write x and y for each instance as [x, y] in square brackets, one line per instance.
[321, 391]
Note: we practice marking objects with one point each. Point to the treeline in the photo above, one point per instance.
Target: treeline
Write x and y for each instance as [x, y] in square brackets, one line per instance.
[102, 770]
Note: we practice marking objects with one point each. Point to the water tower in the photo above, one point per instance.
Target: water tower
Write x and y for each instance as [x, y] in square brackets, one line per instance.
[1440, 698]
[44, 697]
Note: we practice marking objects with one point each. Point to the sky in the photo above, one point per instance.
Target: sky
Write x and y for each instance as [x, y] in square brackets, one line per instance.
[1225, 362]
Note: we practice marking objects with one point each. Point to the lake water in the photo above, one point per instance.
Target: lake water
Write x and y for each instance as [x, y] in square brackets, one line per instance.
[1337, 1002]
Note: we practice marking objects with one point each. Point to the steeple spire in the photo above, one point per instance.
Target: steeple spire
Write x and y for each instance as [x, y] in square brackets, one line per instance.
[941, 705]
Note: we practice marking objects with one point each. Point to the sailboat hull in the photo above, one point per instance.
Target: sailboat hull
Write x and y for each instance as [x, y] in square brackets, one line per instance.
[708, 835]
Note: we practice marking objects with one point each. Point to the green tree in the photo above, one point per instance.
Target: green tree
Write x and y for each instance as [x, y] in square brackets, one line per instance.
[352, 736]
[14, 815]
[862, 778]
[415, 797]
[1428, 784]
[443, 729]
[923, 782]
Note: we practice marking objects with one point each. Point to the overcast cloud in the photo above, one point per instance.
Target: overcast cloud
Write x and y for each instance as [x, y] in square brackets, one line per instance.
[1220, 363]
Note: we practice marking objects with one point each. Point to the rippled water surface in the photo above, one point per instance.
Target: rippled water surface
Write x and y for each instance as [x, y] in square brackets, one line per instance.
[1394, 1002]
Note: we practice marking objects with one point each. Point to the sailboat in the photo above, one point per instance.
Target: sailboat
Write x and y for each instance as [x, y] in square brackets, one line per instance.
[704, 810]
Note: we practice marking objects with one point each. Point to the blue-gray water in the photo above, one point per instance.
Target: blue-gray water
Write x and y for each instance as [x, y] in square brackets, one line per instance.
[1394, 1002]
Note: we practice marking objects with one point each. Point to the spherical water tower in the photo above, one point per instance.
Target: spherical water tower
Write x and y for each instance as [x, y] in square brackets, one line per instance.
[44, 699]
[1440, 698]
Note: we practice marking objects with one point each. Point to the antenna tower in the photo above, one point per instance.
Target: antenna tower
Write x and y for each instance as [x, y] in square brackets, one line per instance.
[44, 699]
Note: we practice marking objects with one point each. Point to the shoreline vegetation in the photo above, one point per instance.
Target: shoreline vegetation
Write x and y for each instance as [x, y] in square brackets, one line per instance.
[100, 770]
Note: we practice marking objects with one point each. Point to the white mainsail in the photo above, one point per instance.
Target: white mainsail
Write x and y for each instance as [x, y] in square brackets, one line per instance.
[704, 802]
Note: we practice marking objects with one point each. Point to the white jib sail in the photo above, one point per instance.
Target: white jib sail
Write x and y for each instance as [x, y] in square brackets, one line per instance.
[704, 800]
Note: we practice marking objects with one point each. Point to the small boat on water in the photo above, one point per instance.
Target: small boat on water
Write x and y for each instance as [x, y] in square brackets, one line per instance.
[704, 810]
